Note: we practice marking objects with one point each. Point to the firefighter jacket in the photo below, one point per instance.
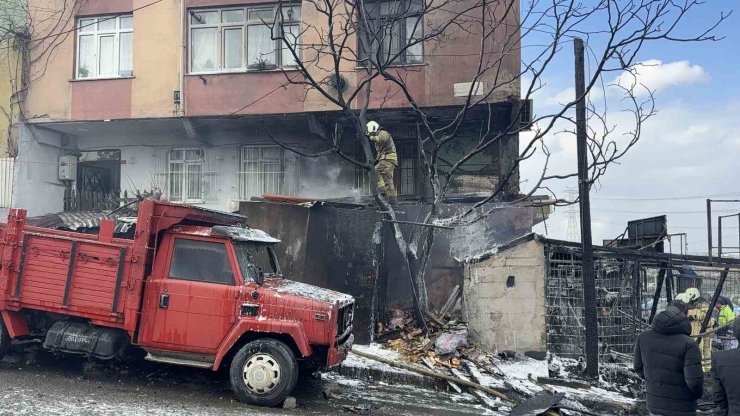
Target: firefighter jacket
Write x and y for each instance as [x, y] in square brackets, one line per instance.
[726, 315]
[384, 146]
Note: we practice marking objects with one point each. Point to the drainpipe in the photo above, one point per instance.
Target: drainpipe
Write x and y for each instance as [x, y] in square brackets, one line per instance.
[183, 45]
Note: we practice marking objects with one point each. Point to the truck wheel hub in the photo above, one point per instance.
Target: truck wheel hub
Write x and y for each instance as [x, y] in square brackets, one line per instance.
[261, 373]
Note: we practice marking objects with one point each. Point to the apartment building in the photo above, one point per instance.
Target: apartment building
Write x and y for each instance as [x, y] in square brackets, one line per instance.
[187, 96]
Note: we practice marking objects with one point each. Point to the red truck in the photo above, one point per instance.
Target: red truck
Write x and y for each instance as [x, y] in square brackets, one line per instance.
[193, 287]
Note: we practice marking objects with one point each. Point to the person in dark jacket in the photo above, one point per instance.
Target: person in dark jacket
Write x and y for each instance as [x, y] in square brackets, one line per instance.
[726, 374]
[669, 361]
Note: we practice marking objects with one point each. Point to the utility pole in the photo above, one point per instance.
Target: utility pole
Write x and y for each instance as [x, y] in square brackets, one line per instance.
[587, 257]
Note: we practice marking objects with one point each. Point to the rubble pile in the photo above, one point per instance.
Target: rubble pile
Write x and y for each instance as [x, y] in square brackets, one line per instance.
[523, 384]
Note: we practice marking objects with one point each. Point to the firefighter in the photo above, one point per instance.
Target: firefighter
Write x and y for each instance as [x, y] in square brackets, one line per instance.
[726, 314]
[386, 160]
[698, 309]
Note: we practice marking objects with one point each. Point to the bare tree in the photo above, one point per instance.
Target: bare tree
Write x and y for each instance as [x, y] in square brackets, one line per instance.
[30, 33]
[379, 37]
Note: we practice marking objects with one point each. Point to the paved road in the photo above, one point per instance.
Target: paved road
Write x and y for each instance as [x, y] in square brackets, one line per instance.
[35, 382]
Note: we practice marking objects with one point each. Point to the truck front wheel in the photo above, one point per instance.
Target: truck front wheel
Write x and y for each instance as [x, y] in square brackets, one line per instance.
[4, 339]
[263, 372]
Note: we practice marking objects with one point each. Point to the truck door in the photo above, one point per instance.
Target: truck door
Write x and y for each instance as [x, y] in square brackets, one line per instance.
[196, 301]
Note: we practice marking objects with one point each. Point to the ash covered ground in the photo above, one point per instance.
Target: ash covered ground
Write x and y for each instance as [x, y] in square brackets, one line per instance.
[35, 382]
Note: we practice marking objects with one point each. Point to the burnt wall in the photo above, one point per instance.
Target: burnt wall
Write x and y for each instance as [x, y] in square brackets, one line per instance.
[353, 251]
[444, 270]
[328, 247]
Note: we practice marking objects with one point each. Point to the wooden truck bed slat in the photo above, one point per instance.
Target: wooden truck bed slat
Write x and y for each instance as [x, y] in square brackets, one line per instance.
[68, 272]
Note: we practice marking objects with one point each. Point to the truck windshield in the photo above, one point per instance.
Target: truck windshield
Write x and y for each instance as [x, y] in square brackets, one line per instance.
[256, 258]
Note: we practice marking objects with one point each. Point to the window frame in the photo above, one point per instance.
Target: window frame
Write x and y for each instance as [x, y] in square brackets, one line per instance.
[94, 31]
[402, 59]
[235, 272]
[185, 162]
[244, 24]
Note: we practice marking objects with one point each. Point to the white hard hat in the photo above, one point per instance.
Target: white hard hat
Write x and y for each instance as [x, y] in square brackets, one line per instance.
[683, 297]
[693, 293]
[372, 126]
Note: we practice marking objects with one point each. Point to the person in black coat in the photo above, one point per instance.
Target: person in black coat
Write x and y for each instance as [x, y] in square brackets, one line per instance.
[726, 374]
[669, 361]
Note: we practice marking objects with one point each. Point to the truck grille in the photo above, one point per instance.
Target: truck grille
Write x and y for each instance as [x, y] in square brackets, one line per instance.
[344, 322]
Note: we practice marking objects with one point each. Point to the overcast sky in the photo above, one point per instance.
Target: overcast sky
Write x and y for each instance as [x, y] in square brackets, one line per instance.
[688, 151]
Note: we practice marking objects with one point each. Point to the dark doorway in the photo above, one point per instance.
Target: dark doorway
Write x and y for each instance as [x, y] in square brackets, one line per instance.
[98, 182]
[99, 172]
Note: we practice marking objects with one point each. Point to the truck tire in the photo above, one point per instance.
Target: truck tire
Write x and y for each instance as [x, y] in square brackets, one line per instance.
[4, 340]
[263, 372]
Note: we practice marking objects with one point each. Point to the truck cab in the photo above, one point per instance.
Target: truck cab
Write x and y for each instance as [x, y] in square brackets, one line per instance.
[205, 294]
[216, 290]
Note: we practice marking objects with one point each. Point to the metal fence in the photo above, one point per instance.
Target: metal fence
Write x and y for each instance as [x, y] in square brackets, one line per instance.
[618, 302]
[6, 181]
[626, 284]
[76, 201]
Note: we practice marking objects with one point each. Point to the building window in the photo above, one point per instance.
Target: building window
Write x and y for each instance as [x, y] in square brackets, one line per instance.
[406, 175]
[238, 39]
[395, 30]
[105, 46]
[407, 169]
[186, 175]
[262, 172]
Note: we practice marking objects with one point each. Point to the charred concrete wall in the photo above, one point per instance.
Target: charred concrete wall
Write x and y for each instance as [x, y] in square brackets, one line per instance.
[450, 248]
[504, 299]
[328, 247]
[353, 251]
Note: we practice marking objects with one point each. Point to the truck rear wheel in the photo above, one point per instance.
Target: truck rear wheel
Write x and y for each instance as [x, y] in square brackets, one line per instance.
[4, 340]
[263, 372]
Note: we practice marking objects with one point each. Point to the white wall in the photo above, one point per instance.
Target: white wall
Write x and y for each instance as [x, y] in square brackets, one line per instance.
[507, 318]
[36, 187]
[144, 157]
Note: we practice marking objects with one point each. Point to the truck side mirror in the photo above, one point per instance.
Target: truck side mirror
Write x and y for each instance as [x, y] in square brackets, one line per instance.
[260, 277]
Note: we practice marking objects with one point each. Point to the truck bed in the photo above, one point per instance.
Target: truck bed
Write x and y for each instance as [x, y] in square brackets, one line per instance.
[72, 273]
[92, 276]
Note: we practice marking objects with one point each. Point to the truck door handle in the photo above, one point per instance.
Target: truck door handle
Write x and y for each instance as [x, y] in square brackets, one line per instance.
[164, 300]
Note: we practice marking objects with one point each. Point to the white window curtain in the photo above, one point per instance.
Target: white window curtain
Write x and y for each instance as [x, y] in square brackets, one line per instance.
[105, 47]
[107, 56]
[261, 47]
[203, 49]
[126, 55]
[239, 39]
[233, 47]
[292, 34]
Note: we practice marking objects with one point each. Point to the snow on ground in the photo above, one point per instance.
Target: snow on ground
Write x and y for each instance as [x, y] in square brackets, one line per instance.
[519, 375]
[32, 402]
[377, 350]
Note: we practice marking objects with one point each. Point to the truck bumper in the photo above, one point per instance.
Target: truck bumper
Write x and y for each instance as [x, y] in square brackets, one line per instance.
[339, 353]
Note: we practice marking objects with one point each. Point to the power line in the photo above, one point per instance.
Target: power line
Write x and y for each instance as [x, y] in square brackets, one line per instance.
[663, 212]
[675, 198]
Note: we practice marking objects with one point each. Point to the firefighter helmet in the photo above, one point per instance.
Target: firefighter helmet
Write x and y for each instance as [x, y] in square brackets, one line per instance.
[372, 127]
